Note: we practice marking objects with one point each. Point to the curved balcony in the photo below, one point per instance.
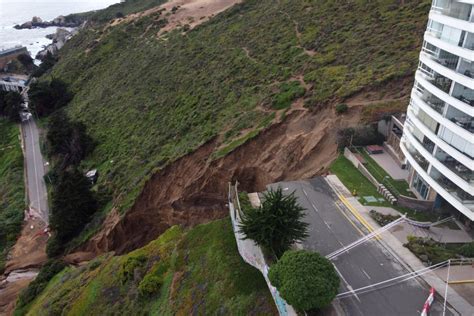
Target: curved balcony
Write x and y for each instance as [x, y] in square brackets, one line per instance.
[459, 181]
[440, 94]
[466, 209]
[458, 124]
[458, 155]
[446, 71]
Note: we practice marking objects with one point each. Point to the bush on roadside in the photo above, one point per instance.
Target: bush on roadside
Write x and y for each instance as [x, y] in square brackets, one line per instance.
[306, 280]
[467, 250]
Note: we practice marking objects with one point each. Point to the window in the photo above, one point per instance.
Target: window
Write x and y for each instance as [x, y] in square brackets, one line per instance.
[420, 186]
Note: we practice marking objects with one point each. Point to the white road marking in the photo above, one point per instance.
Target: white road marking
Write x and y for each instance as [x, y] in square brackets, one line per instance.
[351, 289]
[285, 189]
[327, 225]
[366, 274]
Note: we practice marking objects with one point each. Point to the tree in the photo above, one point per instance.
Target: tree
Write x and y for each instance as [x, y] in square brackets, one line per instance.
[46, 64]
[47, 97]
[10, 105]
[306, 280]
[68, 140]
[277, 224]
[73, 204]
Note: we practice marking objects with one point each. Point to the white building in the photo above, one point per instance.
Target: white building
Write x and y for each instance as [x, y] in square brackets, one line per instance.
[438, 137]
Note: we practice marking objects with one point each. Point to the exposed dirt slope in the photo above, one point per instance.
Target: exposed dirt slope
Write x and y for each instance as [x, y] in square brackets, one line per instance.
[193, 189]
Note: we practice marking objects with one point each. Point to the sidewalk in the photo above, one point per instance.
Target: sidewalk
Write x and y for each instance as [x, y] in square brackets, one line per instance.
[391, 243]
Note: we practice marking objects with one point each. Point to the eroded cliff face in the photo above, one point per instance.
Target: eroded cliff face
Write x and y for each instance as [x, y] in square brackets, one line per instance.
[193, 189]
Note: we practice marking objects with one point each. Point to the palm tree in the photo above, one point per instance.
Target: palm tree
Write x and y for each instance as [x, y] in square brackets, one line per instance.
[277, 224]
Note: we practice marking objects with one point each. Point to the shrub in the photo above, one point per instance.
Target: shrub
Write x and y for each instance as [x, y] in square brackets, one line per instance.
[341, 108]
[289, 91]
[128, 267]
[150, 285]
[306, 280]
[467, 250]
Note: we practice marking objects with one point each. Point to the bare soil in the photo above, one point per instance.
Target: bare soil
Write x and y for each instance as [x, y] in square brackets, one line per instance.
[26, 257]
[193, 189]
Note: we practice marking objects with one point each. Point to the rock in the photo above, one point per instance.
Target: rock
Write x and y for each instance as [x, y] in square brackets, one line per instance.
[26, 25]
[36, 20]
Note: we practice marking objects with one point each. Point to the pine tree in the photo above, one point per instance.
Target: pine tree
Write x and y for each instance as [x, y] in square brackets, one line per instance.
[277, 224]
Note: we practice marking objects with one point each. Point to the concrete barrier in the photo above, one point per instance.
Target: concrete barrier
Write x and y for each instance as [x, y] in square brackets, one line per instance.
[413, 203]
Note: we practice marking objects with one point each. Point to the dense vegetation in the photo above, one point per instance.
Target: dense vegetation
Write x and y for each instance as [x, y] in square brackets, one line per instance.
[12, 194]
[170, 96]
[306, 280]
[72, 201]
[10, 105]
[48, 96]
[181, 273]
[277, 224]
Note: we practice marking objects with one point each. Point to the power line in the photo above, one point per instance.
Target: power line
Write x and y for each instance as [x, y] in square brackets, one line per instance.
[393, 281]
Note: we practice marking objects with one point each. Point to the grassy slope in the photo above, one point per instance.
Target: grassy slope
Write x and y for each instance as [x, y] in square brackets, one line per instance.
[149, 101]
[204, 275]
[12, 197]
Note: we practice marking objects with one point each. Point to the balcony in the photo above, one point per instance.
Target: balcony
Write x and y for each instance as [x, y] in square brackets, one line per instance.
[420, 160]
[461, 11]
[460, 119]
[436, 79]
[459, 194]
[452, 164]
[431, 100]
[466, 68]
[463, 94]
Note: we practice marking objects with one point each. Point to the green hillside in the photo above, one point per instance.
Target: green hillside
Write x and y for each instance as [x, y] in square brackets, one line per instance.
[149, 100]
[195, 272]
[12, 194]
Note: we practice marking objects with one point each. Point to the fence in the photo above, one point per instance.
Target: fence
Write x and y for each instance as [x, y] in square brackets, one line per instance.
[251, 253]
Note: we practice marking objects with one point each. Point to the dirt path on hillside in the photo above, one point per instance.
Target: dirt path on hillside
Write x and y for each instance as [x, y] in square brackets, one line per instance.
[193, 189]
[24, 261]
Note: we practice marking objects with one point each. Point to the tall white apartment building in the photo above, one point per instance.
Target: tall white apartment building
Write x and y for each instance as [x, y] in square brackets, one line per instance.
[438, 136]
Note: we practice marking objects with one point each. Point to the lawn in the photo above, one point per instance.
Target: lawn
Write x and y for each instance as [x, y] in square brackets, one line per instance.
[354, 180]
[397, 187]
[12, 194]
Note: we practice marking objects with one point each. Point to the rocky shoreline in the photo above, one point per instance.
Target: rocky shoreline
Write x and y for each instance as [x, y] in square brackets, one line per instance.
[37, 22]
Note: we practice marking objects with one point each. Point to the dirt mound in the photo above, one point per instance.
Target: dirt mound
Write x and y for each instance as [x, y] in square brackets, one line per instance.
[193, 189]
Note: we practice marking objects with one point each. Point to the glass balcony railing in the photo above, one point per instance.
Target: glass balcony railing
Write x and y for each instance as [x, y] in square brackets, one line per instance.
[431, 100]
[455, 166]
[436, 79]
[466, 68]
[460, 118]
[463, 94]
[420, 160]
[451, 187]
[453, 9]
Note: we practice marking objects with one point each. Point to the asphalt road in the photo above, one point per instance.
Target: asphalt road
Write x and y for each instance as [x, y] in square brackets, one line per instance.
[35, 171]
[331, 227]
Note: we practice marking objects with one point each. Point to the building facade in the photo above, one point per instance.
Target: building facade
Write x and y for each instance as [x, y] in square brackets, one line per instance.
[438, 135]
[9, 54]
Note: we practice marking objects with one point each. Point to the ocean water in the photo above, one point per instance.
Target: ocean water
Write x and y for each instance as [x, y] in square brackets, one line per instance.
[14, 12]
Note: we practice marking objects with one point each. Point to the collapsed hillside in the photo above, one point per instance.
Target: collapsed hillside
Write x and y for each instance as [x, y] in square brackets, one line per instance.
[169, 108]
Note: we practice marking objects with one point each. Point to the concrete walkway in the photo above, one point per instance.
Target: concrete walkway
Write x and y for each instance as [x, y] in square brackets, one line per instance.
[390, 166]
[392, 244]
[440, 233]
